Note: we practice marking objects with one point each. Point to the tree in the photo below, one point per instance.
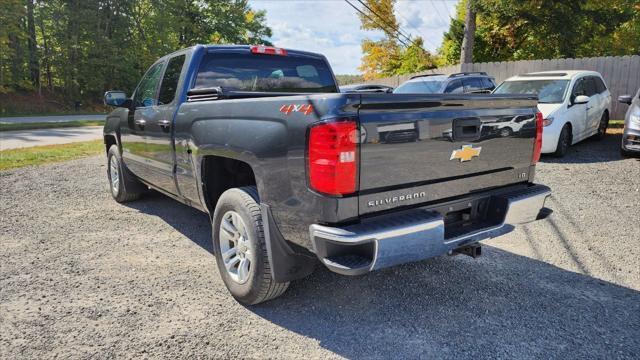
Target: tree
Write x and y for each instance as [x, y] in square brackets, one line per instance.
[386, 57]
[469, 33]
[80, 48]
[539, 29]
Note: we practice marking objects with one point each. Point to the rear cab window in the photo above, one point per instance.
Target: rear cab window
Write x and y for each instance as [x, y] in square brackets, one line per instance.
[243, 71]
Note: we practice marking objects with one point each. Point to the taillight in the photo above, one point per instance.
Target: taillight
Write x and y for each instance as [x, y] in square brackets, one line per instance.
[537, 145]
[268, 50]
[332, 157]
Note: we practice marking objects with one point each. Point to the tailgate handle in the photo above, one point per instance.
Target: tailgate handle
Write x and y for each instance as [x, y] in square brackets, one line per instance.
[467, 129]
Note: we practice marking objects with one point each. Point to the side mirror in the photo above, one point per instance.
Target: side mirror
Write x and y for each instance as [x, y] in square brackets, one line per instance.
[625, 99]
[581, 99]
[115, 98]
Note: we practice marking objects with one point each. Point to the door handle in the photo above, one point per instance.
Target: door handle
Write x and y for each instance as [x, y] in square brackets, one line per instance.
[164, 123]
[589, 107]
[141, 122]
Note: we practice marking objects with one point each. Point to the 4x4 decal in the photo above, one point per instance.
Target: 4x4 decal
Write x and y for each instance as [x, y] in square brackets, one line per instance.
[303, 108]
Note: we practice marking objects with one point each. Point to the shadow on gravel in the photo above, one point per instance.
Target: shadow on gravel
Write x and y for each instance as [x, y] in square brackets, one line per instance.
[188, 221]
[590, 151]
[502, 305]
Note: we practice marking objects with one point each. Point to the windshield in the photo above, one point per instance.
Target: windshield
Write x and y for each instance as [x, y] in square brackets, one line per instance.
[269, 73]
[548, 91]
[420, 87]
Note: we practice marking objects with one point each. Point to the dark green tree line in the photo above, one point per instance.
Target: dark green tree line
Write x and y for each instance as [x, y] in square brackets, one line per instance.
[80, 48]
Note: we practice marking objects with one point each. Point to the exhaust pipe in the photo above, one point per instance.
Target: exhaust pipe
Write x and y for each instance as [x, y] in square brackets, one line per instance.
[473, 250]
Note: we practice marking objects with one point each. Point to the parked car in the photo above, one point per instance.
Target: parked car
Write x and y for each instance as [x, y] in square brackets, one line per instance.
[575, 105]
[291, 171]
[631, 135]
[459, 83]
[365, 88]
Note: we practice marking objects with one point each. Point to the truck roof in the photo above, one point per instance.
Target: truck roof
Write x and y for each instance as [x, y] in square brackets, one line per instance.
[214, 47]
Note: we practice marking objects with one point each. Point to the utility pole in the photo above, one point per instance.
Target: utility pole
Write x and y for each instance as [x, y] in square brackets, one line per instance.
[466, 52]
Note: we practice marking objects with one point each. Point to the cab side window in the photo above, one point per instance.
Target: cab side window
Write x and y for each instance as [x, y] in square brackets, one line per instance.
[170, 80]
[590, 86]
[146, 92]
[454, 87]
[600, 86]
[578, 88]
[488, 84]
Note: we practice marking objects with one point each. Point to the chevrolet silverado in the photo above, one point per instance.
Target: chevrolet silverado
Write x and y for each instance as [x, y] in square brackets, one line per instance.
[294, 173]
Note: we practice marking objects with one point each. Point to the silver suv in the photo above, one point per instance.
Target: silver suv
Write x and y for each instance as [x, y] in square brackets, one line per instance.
[458, 83]
[631, 136]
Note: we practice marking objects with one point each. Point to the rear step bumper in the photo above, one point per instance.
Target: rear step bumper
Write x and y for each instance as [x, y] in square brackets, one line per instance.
[419, 234]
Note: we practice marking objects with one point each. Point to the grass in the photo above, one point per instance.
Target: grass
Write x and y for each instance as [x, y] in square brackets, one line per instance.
[50, 113]
[49, 125]
[39, 155]
[615, 124]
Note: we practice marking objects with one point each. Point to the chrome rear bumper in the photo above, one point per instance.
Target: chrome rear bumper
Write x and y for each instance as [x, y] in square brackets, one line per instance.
[419, 234]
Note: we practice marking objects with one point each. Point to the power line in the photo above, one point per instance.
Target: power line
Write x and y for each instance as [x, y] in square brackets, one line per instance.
[433, 4]
[396, 28]
[391, 33]
[417, 30]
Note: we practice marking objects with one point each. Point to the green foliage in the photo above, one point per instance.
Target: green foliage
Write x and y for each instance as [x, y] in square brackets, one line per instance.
[48, 125]
[546, 29]
[85, 47]
[387, 57]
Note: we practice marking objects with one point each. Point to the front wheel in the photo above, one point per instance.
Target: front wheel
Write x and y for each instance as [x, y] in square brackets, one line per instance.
[123, 184]
[564, 141]
[602, 127]
[240, 249]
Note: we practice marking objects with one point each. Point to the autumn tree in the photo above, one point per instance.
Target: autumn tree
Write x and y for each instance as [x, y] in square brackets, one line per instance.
[393, 54]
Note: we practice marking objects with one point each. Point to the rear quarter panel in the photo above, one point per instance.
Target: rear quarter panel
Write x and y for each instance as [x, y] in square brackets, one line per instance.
[273, 144]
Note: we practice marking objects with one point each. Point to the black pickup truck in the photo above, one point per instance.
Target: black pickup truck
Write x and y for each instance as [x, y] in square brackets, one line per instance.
[293, 173]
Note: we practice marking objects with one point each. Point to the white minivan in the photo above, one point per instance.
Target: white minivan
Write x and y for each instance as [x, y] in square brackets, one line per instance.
[575, 105]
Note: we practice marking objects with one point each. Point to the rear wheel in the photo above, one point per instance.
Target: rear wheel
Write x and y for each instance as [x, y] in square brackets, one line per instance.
[602, 127]
[564, 141]
[240, 249]
[123, 184]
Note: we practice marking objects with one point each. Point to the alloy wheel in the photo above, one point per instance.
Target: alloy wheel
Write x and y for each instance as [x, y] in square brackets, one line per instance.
[235, 247]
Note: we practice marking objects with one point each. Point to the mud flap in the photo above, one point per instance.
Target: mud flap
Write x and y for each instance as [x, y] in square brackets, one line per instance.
[286, 263]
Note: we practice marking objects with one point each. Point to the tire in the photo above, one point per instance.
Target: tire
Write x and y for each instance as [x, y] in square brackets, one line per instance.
[240, 249]
[564, 141]
[602, 127]
[629, 154]
[127, 187]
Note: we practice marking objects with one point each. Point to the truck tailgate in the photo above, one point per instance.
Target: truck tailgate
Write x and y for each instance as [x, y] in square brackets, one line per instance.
[418, 148]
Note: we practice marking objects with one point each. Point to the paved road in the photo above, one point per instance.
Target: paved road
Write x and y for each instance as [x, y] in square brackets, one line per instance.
[27, 138]
[61, 118]
[84, 277]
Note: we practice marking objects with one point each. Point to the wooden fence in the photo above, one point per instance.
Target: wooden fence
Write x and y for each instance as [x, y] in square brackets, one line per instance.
[620, 73]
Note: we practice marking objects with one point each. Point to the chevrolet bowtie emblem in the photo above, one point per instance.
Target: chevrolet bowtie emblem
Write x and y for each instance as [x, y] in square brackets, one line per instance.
[467, 153]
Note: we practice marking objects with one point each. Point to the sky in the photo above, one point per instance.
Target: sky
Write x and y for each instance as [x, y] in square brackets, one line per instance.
[332, 27]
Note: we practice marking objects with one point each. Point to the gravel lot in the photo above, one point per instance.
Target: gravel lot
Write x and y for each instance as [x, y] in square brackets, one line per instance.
[82, 276]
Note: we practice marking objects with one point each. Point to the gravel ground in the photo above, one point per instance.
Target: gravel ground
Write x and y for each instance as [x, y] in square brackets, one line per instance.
[82, 276]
